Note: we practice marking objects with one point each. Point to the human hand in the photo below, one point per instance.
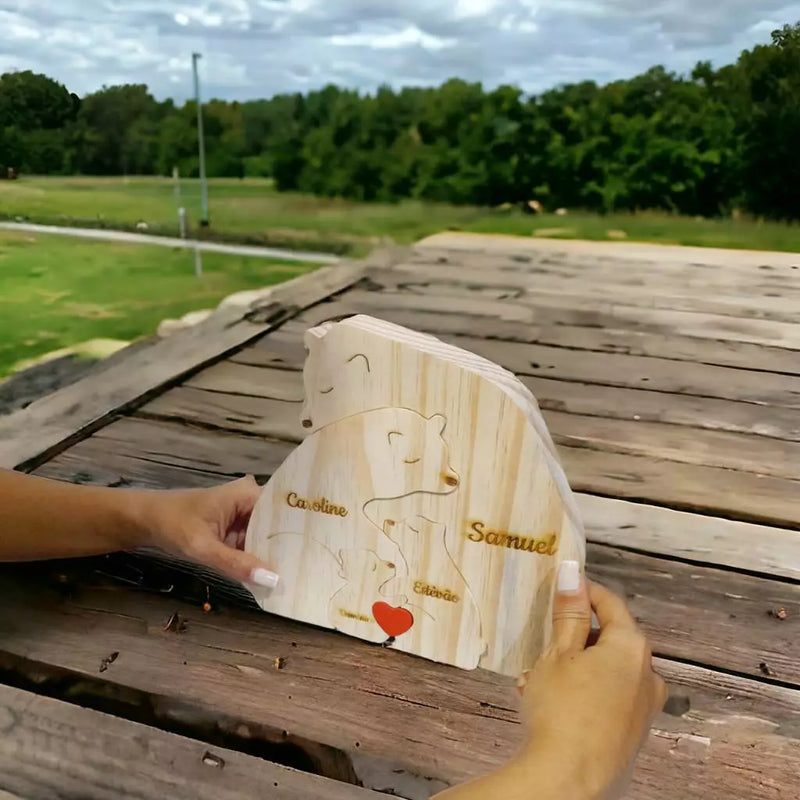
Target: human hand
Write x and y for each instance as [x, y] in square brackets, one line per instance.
[208, 526]
[589, 708]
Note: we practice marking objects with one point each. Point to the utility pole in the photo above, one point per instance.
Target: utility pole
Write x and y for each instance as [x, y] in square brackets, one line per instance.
[201, 144]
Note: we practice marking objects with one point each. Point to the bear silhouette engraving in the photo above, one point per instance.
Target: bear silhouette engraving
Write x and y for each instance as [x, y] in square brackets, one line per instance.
[429, 580]
[318, 496]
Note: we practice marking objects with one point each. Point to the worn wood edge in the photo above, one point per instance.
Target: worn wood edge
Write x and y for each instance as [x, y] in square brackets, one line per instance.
[33, 434]
[34, 755]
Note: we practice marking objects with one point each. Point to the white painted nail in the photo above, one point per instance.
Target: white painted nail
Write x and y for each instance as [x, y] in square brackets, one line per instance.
[569, 577]
[263, 577]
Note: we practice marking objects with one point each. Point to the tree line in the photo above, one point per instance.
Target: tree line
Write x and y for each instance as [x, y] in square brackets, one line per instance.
[702, 144]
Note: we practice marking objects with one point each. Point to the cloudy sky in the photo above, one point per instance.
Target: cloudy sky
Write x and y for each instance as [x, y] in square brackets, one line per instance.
[255, 48]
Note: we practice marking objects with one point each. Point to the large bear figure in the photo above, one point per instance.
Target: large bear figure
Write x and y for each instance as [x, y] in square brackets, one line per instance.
[312, 511]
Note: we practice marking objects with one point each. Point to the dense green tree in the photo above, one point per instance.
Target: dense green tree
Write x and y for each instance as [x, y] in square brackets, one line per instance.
[703, 143]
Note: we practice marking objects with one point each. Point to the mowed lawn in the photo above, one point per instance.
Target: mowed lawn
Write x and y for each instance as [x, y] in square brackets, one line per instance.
[57, 292]
[251, 210]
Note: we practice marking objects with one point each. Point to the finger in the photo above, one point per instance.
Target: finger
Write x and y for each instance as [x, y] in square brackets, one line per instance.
[236, 564]
[611, 610]
[244, 493]
[572, 611]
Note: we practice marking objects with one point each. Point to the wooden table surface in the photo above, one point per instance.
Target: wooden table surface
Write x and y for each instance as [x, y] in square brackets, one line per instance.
[670, 380]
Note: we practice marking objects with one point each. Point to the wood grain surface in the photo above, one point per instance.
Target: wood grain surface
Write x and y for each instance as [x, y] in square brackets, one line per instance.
[51, 750]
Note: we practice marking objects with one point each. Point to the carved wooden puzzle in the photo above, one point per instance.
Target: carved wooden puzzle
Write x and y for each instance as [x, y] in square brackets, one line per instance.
[426, 509]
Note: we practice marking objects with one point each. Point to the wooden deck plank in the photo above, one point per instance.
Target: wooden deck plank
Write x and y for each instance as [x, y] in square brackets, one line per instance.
[242, 386]
[51, 749]
[163, 453]
[32, 432]
[445, 723]
[626, 253]
[700, 297]
[156, 449]
[704, 326]
[603, 333]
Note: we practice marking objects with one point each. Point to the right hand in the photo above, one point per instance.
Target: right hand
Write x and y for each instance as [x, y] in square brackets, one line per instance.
[589, 708]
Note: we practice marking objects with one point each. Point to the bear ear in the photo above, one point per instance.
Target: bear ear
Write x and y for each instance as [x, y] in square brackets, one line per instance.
[439, 421]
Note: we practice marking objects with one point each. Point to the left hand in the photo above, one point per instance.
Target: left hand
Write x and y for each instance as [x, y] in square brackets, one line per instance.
[209, 526]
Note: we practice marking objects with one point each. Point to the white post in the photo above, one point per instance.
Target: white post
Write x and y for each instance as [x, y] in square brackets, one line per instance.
[201, 143]
[182, 221]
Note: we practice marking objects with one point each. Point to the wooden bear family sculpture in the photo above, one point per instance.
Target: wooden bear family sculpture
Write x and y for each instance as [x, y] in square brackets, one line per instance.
[425, 510]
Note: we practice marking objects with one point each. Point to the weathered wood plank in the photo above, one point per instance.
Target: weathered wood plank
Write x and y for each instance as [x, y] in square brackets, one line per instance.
[112, 460]
[604, 334]
[705, 326]
[150, 446]
[639, 404]
[28, 434]
[626, 252]
[733, 451]
[444, 723]
[612, 419]
[592, 288]
[50, 749]
[687, 487]
[694, 537]
[704, 615]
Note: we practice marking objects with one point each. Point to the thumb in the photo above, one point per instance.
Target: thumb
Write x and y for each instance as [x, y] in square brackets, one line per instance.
[236, 564]
[572, 610]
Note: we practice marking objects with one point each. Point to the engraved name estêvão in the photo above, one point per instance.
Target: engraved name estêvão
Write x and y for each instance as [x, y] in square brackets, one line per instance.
[421, 587]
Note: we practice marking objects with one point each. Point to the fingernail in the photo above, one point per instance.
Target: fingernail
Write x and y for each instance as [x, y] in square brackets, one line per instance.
[569, 577]
[263, 577]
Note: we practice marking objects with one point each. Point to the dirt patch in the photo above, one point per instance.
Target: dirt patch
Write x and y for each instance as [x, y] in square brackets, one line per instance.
[21, 389]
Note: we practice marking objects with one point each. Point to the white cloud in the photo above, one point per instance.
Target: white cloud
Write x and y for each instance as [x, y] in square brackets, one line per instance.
[255, 48]
[392, 40]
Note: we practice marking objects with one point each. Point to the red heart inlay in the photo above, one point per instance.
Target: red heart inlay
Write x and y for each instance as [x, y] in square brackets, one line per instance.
[394, 621]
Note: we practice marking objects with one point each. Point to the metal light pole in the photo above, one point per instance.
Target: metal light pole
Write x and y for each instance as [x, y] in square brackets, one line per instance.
[201, 144]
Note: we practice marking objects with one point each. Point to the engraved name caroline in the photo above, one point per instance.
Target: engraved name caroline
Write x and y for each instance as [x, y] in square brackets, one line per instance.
[544, 546]
[319, 504]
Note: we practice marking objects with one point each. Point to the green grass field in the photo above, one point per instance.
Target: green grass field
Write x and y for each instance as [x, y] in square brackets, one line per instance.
[56, 292]
[252, 211]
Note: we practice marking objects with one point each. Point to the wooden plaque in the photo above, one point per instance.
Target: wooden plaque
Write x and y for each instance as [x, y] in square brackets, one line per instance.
[426, 509]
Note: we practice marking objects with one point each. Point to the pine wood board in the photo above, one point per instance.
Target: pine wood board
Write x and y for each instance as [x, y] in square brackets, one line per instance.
[603, 335]
[64, 415]
[51, 749]
[446, 724]
[447, 456]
